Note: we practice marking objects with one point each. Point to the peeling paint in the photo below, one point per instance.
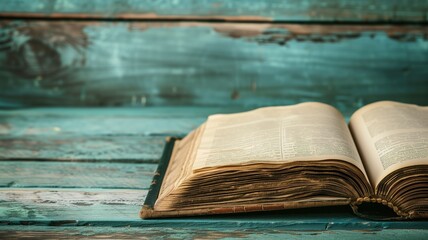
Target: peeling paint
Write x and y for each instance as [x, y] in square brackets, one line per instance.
[136, 16]
[35, 52]
[143, 64]
[282, 33]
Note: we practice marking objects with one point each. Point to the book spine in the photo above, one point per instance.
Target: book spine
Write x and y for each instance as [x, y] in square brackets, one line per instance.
[156, 183]
[399, 214]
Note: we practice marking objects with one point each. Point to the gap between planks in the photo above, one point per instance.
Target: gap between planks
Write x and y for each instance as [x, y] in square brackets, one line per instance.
[222, 10]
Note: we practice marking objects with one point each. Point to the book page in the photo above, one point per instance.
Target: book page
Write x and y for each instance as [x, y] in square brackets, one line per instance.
[180, 164]
[303, 132]
[390, 136]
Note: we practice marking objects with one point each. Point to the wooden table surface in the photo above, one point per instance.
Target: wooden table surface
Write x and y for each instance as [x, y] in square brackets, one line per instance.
[67, 172]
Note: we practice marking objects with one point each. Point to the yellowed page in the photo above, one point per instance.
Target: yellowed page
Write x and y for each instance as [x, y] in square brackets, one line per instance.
[181, 161]
[303, 132]
[390, 136]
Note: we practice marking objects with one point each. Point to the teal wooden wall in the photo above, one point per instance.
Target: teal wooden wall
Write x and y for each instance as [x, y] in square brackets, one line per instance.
[212, 53]
[62, 63]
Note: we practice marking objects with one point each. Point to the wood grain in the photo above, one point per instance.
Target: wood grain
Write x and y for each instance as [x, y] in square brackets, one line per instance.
[30, 174]
[119, 208]
[223, 10]
[127, 148]
[138, 64]
[87, 122]
[69, 206]
[102, 134]
[88, 232]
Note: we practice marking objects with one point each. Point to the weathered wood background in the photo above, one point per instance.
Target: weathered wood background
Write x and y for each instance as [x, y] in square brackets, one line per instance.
[61, 63]
[90, 89]
[150, 53]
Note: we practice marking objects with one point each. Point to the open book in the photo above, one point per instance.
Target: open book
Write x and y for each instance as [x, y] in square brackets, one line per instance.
[299, 156]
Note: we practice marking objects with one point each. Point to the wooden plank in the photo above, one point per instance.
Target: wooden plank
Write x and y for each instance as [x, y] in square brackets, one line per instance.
[19, 174]
[62, 63]
[69, 206]
[172, 112]
[126, 148]
[244, 10]
[38, 232]
[87, 122]
[96, 207]
[96, 134]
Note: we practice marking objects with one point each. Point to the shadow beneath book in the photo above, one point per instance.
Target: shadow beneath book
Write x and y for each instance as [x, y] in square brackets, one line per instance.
[376, 211]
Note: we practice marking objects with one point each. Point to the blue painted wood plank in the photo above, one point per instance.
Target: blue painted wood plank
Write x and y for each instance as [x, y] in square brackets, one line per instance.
[170, 112]
[243, 10]
[96, 134]
[37, 174]
[84, 147]
[70, 206]
[112, 207]
[41, 232]
[138, 64]
[92, 122]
